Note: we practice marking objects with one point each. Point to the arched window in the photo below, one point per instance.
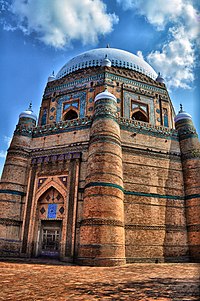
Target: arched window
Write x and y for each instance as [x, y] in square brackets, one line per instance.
[140, 115]
[166, 121]
[44, 117]
[70, 115]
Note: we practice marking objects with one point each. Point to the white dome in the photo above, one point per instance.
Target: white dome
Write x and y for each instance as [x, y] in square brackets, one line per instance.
[105, 95]
[118, 57]
[28, 114]
[182, 115]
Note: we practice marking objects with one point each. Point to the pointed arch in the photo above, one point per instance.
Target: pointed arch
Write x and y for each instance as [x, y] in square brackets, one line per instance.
[51, 195]
[51, 183]
[70, 115]
[140, 115]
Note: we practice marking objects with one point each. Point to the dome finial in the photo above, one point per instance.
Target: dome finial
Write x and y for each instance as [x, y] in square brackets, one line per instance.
[30, 106]
[106, 61]
[159, 78]
[28, 113]
[108, 45]
[182, 115]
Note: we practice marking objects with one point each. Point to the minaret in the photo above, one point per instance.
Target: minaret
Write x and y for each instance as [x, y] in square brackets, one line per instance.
[190, 152]
[102, 238]
[13, 183]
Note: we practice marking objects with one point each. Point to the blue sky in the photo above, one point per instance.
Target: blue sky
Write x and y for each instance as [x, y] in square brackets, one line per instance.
[39, 36]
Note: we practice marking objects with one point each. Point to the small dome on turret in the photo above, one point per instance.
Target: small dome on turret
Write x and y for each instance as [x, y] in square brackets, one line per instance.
[182, 115]
[51, 77]
[28, 113]
[106, 62]
[105, 95]
[160, 79]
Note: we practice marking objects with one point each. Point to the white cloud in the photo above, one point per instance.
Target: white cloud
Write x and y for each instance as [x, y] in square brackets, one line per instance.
[157, 12]
[59, 22]
[176, 60]
[178, 55]
[7, 140]
[2, 154]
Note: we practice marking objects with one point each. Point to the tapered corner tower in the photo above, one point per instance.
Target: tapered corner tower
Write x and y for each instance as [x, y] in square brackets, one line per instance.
[102, 237]
[13, 186]
[190, 154]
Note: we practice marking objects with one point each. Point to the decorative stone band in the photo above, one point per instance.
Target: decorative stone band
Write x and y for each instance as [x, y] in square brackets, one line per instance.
[104, 184]
[75, 83]
[137, 193]
[173, 228]
[154, 195]
[104, 138]
[138, 86]
[102, 102]
[10, 240]
[11, 201]
[15, 192]
[173, 156]
[56, 157]
[194, 154]
[19, 151]
[54, 128]
[10, 222]
[147, 129]
[10, 251]
[184, 122]
[192, 196]
[194, 228]
[101, 222]
[187, 132]
[79, 124]
[105, 108]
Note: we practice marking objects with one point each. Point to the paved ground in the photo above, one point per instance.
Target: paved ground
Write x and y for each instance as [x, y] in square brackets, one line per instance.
[144, 282]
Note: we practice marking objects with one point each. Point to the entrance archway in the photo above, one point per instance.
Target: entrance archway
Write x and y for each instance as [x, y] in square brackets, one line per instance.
[51, 211]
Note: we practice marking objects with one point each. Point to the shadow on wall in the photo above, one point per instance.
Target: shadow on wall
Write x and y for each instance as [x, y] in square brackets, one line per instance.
[175, 246]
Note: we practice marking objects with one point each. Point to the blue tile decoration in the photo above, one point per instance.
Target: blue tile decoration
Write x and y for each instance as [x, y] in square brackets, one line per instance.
[51, 117]
[90, 100]
[66, 106]
[74, 104]
[166, 122]
[128, 96]
[44, 117]
[52, 208]
[79, 95]
[52, 109]
[76, 83]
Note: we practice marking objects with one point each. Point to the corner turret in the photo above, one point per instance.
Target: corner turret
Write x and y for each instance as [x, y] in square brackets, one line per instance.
[190, 154]
[102, 236]
[14, 181]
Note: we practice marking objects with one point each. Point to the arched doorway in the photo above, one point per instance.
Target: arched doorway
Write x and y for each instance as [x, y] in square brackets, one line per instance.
[50, 210]
[70, 115]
